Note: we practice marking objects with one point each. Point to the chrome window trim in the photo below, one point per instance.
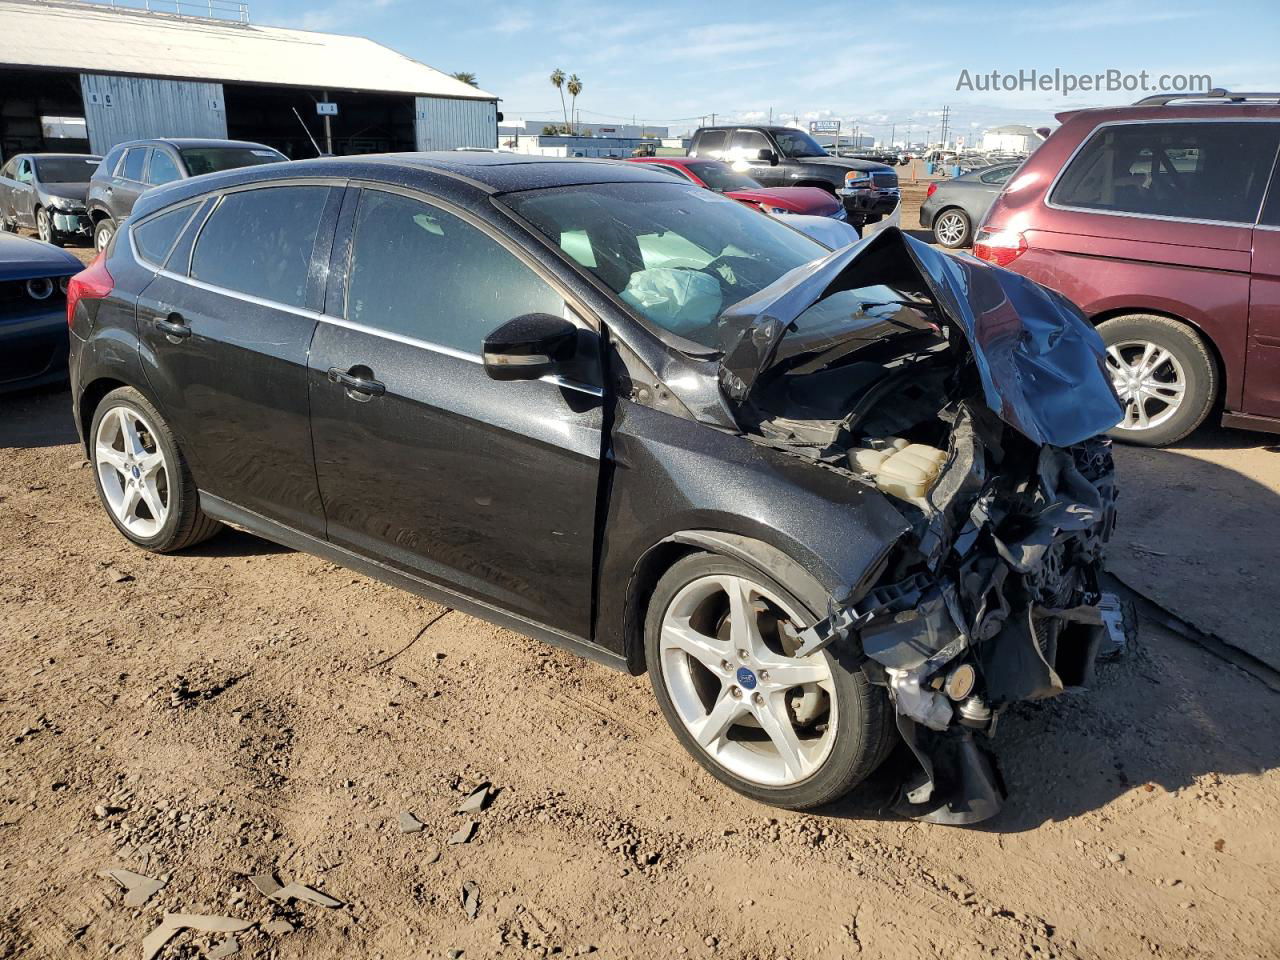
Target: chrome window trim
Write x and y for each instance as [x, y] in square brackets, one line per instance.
[1148, 122]
[359, 327]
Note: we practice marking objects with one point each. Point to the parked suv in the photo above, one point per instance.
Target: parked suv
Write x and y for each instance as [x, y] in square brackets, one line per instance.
[132, 167]
[786, 157]
[826, 498]
[1158, 221]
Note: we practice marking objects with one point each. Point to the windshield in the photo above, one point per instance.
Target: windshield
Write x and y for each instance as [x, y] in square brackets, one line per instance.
[66, 169]
[212, 159]
[797, 143]
[678, 255]
[722, 177]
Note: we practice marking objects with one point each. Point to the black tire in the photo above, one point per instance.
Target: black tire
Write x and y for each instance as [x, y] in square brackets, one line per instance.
[1198, 368]
[103, 231]
[961, 233]
[865, 731]
[45, 230]
[186, 524]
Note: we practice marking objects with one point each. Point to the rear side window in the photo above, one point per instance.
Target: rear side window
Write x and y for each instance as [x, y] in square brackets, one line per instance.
[154, 238]
[711, 143]
[135, 161]
[1199, 171]
[162, 169]
[108, 165]
[259, 242]
[424, 273]
[997, 176]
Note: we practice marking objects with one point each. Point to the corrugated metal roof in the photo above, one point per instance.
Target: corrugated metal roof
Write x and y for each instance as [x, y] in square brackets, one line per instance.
[85, 37]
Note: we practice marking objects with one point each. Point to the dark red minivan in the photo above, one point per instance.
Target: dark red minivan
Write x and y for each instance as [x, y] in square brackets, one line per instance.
[1162, 222]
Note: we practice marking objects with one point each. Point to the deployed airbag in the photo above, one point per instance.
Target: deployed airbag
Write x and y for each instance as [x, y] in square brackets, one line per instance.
[675, 299]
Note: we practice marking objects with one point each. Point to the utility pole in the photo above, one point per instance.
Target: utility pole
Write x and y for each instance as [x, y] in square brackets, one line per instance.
[771, 116]
[893, 131]
[328, 129]
[946, 116]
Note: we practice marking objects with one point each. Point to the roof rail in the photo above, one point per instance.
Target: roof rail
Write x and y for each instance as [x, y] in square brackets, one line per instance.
[1216, 95]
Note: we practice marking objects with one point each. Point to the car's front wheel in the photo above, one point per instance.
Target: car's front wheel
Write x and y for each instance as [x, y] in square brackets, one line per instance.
[142, 479]
[1163, 374]
[103, 231]
[45, 229]
[952, 228]
[795, 732]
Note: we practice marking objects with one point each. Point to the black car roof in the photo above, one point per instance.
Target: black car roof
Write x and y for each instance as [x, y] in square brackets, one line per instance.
[489, 173]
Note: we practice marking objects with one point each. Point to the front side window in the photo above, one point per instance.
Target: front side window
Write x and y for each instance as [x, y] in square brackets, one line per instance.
[798, 144]
[747, 144]
[162, 169]
[421, 272]
[135, 162]
[259, 242]
[24, 170]
[677, 255]
[1199, 171]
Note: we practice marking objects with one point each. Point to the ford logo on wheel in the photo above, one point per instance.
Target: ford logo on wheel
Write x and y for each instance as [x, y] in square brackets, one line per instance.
[746, 679]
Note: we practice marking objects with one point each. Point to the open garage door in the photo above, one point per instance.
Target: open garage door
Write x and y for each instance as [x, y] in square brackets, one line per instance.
[286, 119]
[41, 111]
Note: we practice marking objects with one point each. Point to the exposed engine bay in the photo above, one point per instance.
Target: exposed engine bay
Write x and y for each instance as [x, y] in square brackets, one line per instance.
[993, 595]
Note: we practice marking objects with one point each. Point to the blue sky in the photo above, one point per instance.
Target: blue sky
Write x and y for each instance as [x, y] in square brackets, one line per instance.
[664, 61]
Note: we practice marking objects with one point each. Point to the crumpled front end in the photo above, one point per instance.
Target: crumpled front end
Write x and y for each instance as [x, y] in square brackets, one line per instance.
[974, 402]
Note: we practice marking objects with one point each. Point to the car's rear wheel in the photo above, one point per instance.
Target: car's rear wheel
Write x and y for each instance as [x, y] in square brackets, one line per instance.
[103, 231]
[952, 228]
[142, 479]
[796, 733]
[1163, 374]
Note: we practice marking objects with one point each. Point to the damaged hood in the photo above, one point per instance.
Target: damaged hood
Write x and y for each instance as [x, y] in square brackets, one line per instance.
[1041, 363]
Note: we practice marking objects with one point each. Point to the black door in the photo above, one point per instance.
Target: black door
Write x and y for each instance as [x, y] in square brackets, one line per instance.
[486, 488]
[225, 343]
[126, 183]
[745, 152]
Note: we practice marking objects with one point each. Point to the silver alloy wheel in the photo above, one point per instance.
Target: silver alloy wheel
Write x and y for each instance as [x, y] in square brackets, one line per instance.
[101, 237]
[44, 226]
[1149, 380]
[132, 470]
[950, 228]
[760, 713]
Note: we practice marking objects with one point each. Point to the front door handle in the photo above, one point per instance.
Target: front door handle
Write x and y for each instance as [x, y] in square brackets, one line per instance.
[174, 327]
[359, 387]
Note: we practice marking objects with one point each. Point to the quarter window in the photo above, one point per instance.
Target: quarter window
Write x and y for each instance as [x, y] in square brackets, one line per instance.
[154, 237]
[1200, 171]
[424, 273]
[259, 242]
[135, 162]
[162, 169]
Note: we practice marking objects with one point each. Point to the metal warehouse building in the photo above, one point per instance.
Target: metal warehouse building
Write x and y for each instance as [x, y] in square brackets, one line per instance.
[134, 73]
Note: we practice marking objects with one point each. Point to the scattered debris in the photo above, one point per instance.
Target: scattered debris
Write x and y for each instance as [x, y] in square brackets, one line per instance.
[223, 948]
[432, 856]
[120, 577]
[477, 799]
[137, 888]
[455, 953]
[1219, 845]
[154, 941]
[464, 833]
[470, 899]
[409, 823]
[296, 891]
[278, 927]
[265, 883]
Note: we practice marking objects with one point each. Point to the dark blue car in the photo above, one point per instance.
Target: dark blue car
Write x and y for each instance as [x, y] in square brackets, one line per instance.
[33, 312]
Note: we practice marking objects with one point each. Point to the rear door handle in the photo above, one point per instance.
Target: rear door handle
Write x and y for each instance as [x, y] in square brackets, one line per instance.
[366, 386]
[174, 327]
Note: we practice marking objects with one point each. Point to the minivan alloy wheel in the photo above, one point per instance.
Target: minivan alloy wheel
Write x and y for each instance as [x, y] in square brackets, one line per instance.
[132, 471]
[1149, 381]
[757, 711]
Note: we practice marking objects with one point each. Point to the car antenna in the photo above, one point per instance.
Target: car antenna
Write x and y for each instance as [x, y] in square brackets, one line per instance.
[319, 152]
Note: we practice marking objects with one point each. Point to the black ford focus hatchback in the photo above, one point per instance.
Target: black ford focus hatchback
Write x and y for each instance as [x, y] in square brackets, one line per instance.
[829, 500]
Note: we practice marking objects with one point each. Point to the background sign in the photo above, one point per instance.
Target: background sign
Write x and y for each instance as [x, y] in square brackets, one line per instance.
[824, 126]
[327, 109]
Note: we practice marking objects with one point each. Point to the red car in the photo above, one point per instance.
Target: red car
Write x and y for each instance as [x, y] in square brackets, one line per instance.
[1161, 221]
[722, 178]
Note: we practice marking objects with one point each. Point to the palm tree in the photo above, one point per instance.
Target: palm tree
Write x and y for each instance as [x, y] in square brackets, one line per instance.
[466, 77]
[557, 81]
[575, 88]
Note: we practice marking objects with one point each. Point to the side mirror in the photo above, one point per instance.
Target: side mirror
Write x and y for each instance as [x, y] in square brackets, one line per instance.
[768, 156]
[529, 347]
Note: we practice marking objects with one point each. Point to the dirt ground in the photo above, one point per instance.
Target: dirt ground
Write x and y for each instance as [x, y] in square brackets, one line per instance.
[240, 709]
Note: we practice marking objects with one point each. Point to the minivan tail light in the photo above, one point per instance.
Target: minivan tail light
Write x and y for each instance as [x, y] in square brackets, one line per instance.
[1000, 247]
[94, 282]
[933, 188]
